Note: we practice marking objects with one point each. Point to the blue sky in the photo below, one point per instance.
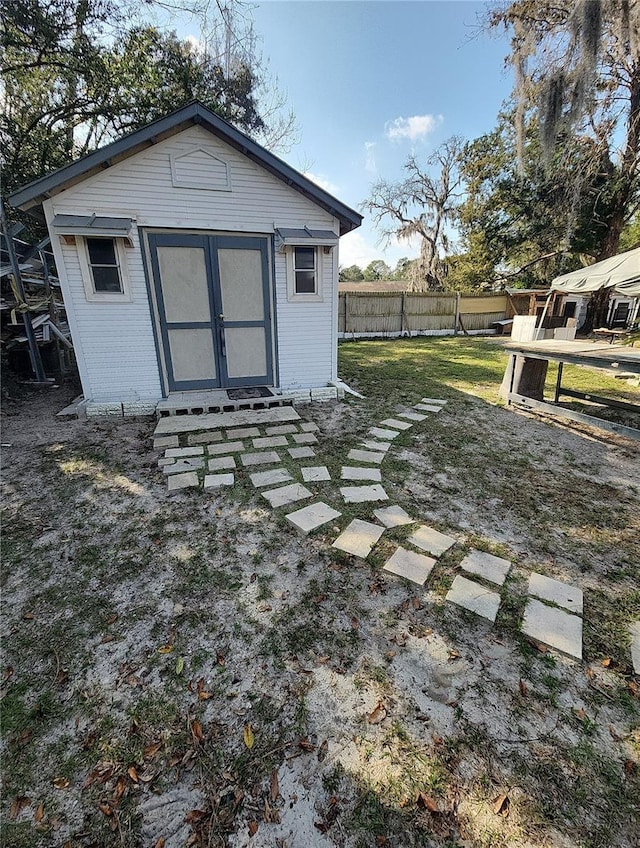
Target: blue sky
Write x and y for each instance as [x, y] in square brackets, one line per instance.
[371, 82]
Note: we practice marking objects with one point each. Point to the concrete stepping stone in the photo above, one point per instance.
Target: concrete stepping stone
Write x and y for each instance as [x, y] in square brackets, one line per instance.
[281, 430]
[561, 594]
[434, 400]
[222, 463]
[270, 442]
[242, 433]
[350, 472]
[313, 516]
[287, 494]
[363, 494]
[260, 458]
[492, 568]
[215, 481]
[305, 439]
[309, 427]
[365, 456]
[315, 473]
[473, 597]
[227, 420]
[270, 478]
[204, 438]
[392, 516]
[226, 447]
[427, 407]
[396, 424]
[431, 541]
[189, 463]
[301, 453]
[166, 460]
[183, 481]
[165, 442]
[553, 627]
[182, 452]
[634, 630]
[412, 416]
[381, 433]
[359, 538]
[410, 565]
[371, 444]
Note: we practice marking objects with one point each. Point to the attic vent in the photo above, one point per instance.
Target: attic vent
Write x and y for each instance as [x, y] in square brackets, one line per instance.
[200, 168]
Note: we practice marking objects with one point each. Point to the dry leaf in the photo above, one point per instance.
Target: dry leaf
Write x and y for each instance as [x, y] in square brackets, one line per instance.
[524, 689]
[249, 736]
[151, 750]
[203, 695]
[39, 813]
[633, 688]
[322, 751]
[415, 601]
[606, 662]
[179, 665]
[501, 806]
[159, 842]
[274, 786]
[306, 745]
[221, 659]
[378, 714]
[252, 827]
[428, 803]
[165, 649]
[540, 647]
[7, 673]
[355, 624]
[196, 730]
[18, 804]
[454, 655]
[194, 816]
[61, 783]
[133, 774]
[579, 713]
[28, 616]
[630, 767]
[105, 808]
[120, 788]
[112, 619]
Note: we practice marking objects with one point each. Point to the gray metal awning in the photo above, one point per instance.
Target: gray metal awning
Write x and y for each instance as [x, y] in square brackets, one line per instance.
[92, 225]
[305, 236]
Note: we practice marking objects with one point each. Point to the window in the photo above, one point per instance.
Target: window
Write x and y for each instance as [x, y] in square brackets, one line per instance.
[104, 265]
[104, 268]
[304, 267]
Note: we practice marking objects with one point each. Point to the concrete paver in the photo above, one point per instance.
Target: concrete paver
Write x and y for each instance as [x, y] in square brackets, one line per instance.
[554, 627]
[410, 565]
[474, 597]
[225, 447]
[301, 453]
[215, 481]
[315, 473]
[428, 407]
[305, 439]
[360, 473]
[365, 456]
[431, 541]
[562, 594]
[382, 433]
[189, 463]
[434, 400]
[259, 458]
[204, 438]
[270, 478]
[281, 430]
[313, 516]
[286, 494]
[242, 433]
[182, 452]
[412, 416]
[363, 494]
[183, 481]
[222, 463]
[228, 420]
[492, 568]
[392, 516]
[165, 442]
[396, 423]
[372, 444]
[309, 427]
[359, 538]
[270, 442]
[166, 460]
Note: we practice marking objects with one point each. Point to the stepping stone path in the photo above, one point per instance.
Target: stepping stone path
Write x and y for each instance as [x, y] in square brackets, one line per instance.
[194, 445]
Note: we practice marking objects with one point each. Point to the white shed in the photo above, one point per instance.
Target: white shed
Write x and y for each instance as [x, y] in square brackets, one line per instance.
[193, 261]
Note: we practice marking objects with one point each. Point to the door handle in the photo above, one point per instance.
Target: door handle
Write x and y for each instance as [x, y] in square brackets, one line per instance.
[223, 347]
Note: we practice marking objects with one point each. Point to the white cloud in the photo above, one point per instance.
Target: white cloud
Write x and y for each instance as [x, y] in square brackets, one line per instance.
[197, 46]
[370, 157]
[323, 182]
[412, 128]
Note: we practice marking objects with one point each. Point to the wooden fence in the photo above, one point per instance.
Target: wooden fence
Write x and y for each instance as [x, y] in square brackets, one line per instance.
[409, 313]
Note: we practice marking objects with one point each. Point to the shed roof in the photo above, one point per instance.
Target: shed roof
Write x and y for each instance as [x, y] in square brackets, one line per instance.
[32, 195]
[621, 273]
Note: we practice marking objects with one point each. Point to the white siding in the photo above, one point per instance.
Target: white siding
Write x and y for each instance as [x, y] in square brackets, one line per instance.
[114, 342]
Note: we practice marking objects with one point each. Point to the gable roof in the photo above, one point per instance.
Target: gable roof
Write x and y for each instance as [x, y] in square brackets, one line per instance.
[33, 194]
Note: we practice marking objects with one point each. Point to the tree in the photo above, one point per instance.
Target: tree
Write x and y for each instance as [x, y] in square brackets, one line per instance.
[376, 270]
[425, 205]
[577, 69]
[351, 274]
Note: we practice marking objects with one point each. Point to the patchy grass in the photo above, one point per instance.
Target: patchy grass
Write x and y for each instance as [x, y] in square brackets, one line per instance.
[194, 650]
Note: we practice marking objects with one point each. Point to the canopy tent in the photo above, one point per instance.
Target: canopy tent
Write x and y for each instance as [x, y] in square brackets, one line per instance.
[620, 273]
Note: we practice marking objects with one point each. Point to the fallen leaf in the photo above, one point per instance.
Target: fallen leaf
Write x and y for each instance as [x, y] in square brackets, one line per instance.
[428, 803]
[630, 767]
[151, 750]
[196, 730]
[203, 695]
[28, 616]
[133, 774]
[18, 804]
[179, 665]
[589, 672]
[322, 751]
[606, 662]
[221, 659]
[7, 673]
[390, 654]
[120, 788]
[249, 737]
[415, 601]
[274, 787]
[633, 687]
[105, 808]
[61, 783]
[194, 816]
[501, 806]
[454, 655]
[252, 827]
[540, 647]
[106, 639]
[39, 813]
[306, 745]
[378, 714]
[112, 619]
[165, 649]
[524, 689]
[159, 843]
[355, 624]
[579, 713]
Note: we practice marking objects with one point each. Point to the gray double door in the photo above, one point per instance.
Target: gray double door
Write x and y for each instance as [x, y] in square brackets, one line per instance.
[212, 294]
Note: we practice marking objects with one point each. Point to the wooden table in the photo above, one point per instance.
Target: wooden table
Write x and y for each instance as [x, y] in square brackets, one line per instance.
[607, 357]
